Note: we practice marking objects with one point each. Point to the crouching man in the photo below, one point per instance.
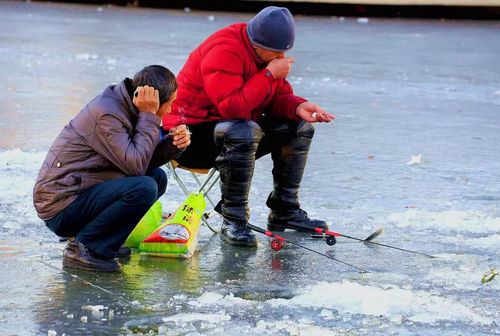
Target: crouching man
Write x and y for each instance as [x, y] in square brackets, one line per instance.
[101, 174]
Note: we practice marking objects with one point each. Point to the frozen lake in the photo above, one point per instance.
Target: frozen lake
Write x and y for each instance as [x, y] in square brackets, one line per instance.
[415, 150]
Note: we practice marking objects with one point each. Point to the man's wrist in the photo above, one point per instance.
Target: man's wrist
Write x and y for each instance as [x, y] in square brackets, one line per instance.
[268, 74]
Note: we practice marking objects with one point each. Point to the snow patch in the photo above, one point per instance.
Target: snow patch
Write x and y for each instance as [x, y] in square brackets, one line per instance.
[390, 301]
[453, 220]
[346, 297]
[16, 159]
[218, 317]
[464, 274]
[294, 328]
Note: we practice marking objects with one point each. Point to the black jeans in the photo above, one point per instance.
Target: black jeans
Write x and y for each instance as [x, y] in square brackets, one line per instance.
[102, 216]
[202, 151]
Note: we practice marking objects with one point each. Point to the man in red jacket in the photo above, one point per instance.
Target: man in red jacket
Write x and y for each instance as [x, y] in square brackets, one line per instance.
[234, 96]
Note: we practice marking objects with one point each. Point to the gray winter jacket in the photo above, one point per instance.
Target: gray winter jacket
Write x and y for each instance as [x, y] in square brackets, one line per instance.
[108, 139]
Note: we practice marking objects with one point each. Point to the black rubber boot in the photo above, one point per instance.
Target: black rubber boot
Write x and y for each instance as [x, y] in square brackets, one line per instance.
[237, 143]
[239, 234]
[289, 164]
[293, 219]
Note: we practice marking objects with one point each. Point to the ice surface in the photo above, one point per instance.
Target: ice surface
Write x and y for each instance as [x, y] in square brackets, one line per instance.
[488, 243]
[397, 94]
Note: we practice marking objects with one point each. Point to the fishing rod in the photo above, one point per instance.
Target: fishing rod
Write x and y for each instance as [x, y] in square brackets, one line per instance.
[331, 240]
[278, 242]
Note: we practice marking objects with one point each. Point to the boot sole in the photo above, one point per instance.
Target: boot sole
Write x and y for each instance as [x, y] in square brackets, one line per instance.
[236, 242]
[72, 263]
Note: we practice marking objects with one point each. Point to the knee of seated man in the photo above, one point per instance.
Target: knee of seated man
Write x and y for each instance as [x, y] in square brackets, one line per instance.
[305, 129]
[238, 130]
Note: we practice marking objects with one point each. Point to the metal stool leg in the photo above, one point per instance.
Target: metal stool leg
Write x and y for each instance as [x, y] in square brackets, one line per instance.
[210, 180]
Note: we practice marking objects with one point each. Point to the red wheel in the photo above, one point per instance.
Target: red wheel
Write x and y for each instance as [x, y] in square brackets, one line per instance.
[331, 240]
[276, 244]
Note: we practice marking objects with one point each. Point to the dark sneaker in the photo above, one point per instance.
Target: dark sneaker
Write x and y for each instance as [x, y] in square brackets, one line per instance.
[76, 255]
[293, 219]
[236, 234]
[124, 252]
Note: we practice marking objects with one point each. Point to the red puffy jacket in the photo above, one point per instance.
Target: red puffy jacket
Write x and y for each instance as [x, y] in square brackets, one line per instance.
[224, 79]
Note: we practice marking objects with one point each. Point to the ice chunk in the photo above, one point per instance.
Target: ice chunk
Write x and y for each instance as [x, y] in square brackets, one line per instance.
[85, 56]
[326, 313]
[93, 308]
[82, 57]
[415, 160]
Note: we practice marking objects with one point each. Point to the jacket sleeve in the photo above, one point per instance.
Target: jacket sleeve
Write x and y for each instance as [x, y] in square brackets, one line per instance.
[164, 152]
[222, 71]
[284, 104]
[131, 154]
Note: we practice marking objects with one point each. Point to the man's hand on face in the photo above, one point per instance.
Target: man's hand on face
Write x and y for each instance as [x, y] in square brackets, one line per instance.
[181, 136]
[280, 67]
[146, 99]
[312, 113]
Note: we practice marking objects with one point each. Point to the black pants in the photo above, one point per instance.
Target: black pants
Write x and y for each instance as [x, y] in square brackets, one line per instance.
[202, 151]
[102, 216]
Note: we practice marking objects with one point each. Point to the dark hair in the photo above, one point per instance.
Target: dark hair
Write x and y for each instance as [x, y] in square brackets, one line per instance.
[158, 77]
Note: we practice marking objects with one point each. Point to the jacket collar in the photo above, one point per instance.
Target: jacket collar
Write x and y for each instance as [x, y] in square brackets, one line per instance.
[123, 90]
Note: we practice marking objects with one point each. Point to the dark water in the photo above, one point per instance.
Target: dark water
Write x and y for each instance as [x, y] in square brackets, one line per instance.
[414, 149]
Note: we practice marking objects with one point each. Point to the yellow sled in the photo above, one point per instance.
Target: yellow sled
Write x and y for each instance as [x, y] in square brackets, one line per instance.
[177, 237]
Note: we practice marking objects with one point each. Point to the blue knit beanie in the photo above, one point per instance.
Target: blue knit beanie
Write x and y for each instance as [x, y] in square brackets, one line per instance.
[272, 28]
